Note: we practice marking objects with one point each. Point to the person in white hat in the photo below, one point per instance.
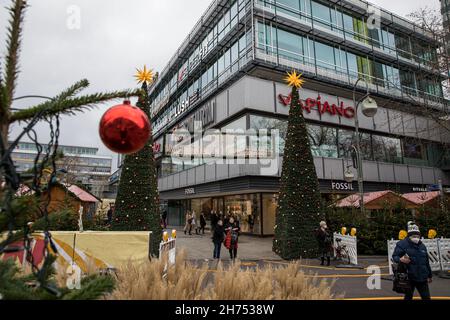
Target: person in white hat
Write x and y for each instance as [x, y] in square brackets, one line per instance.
[414, 254]
[325, 241]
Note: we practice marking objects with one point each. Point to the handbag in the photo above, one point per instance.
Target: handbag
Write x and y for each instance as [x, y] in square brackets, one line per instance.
[227, 240]
[401, 279]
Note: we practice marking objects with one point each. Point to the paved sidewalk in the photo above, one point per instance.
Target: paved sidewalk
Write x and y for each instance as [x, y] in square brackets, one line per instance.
[200, 247]
[349, 283]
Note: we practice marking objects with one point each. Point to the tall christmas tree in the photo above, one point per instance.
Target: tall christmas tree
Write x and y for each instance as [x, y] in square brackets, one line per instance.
[137, 202]
[299, 202]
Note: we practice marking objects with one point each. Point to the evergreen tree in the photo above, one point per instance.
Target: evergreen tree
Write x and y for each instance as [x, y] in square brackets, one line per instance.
[299, 202]
[137, 202]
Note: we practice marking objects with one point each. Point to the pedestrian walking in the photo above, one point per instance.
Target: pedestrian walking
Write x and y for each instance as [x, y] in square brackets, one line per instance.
[214, 220]
[325, 241]
[164, 219]
[188, 223]
[194, 222]
[232, 237]
[218, 238]
[412, 253]
[202, 223]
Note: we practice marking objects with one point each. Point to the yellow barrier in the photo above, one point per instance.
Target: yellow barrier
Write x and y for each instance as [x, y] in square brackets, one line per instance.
[92, 250]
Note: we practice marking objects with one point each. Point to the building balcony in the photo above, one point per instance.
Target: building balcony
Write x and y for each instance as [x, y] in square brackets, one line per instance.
[337, 34]
[334, 74]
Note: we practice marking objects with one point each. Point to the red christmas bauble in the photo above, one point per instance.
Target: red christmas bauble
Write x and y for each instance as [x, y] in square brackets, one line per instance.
[124, 128]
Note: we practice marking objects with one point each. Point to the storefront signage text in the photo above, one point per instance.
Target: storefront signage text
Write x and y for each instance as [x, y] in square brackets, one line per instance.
[419, 189]
[322, 107]
[189, 191]
[342, 186]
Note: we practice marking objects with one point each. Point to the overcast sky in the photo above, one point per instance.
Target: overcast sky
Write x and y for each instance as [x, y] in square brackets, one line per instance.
[114, 38]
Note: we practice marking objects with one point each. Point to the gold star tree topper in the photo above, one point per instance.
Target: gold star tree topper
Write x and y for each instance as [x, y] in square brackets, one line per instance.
[294, 79]
[144, 75]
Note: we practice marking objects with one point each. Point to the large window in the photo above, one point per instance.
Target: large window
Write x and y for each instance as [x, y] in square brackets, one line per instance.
[325, 56]
[290, 7]
[386, 149]
[289, 45]
[263, 143]
[322, 14]
[323, 141]
[414, 152]
[347, 140]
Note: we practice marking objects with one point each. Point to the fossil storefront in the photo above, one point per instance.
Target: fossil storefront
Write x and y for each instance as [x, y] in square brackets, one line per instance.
[255, 210]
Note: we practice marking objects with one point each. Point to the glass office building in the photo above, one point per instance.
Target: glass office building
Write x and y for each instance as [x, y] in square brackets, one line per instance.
[220, 107]
[82, 164]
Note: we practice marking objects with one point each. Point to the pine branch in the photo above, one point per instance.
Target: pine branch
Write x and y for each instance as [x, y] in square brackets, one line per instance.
[92, 288]
[70, 106]
[73, 90]
[11, 286]
[14, 34]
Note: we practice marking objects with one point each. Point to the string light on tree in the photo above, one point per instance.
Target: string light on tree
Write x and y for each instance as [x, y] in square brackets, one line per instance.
[299, 200]
[138, 182]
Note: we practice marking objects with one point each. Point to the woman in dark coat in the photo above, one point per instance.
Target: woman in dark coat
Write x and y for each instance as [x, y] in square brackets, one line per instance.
[325, 241]
[202, 223]
[232, 237]
[218, 237]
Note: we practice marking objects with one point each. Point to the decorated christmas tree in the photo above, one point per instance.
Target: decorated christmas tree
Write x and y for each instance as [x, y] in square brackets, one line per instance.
[299, 202]
[137, 202]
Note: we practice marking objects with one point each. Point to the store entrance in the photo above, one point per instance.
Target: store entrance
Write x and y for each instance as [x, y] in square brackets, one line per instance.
[246, 208]
[255, 212]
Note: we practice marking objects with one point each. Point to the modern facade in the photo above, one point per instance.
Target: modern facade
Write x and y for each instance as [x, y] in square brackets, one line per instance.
[81, 165]
[228, 75]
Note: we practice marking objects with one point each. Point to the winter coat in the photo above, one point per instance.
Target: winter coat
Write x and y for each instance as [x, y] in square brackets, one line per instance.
[219, 234]
[202, 221]
[324, 240]
[228, 239]
[214, 219]
[419, 269]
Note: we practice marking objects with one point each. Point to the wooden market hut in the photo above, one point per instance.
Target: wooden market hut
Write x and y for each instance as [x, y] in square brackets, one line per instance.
[425, 199]
[376, 201]
[63, 196]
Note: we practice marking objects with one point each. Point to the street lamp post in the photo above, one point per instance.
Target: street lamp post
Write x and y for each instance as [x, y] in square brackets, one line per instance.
[370, 109]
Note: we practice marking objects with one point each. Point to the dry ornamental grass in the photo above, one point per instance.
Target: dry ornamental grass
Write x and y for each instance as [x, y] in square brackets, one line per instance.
[184, 281]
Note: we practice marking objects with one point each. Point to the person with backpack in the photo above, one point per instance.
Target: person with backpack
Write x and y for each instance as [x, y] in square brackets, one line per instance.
[218, 238]
[325, 241]
[412, 254]
[232, 237]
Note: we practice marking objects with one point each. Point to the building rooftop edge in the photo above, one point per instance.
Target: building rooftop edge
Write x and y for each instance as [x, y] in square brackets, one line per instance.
[208, 13]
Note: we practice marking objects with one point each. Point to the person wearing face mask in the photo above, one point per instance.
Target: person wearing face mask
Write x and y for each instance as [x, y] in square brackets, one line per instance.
[325, 243]
[414, 254]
